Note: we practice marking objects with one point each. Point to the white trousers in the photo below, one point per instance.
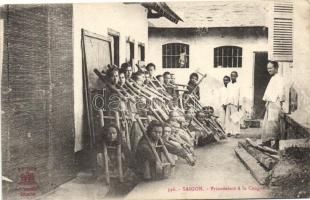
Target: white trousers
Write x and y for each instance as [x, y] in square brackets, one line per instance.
[231, 127]
[222, 117]
[271, 126]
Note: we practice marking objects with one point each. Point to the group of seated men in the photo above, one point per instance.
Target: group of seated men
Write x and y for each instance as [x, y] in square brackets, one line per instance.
[158, 124]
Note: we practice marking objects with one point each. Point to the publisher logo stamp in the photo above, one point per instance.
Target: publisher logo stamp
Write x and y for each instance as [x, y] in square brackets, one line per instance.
[27, 185]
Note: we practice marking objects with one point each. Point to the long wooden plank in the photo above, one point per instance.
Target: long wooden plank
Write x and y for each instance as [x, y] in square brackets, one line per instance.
[262, 158]
[258, 172]
[106, 163]
[87, 93]
[262, 148]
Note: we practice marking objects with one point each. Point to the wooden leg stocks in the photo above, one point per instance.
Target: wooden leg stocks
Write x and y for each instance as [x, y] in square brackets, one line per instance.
[119, 148]
[106, 163]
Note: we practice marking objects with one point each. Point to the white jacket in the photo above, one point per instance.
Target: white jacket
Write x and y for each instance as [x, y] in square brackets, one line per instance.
[233, 96]
[275, 89]
[223, 96]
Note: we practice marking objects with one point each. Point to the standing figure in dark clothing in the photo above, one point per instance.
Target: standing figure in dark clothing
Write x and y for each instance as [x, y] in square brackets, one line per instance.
[192, 87]
[192, 95]
[170, 89]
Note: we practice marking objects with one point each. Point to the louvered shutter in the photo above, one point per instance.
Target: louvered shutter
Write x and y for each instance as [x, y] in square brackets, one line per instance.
[283, 30]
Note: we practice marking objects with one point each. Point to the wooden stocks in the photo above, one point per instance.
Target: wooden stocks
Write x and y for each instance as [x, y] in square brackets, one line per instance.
[112, 87]
[119, 148]
[165, 151]
[192, 92]
[148, 139]
[150, 92]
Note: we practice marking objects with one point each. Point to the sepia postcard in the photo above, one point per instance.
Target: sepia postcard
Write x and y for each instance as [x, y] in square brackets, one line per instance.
[155, 100]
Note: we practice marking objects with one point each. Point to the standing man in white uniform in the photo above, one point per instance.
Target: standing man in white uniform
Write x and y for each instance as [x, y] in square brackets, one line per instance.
[274, 97]
[223, 94]
[232, 120]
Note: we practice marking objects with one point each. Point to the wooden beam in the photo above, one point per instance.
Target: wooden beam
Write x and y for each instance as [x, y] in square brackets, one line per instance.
[261, 148]
[258, 172]
[267, 161]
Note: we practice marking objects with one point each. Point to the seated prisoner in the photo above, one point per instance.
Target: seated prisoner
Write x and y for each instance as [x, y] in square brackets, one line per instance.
[176, 146]
[204, 137]
[193, 87]
[211, 121]
[112, 139]
[148, 165]
[127, 69]
[175, 121]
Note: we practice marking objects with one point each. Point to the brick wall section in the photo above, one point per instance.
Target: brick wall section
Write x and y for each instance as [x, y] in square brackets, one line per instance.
[37, 96]
[61, 101]
[29, 84]
[4, 97]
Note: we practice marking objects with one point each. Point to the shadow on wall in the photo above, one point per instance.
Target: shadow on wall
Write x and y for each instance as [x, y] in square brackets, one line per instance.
[302, 114]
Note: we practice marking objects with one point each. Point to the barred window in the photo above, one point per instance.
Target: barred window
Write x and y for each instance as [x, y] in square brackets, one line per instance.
[227, 56]
[175, 55]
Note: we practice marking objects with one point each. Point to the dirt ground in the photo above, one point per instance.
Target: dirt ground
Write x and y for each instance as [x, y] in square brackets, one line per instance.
[218, 174]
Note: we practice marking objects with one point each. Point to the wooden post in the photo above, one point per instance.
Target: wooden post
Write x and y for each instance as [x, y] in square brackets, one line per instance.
[119, 148]
[87, 93]
[148, 140]
[106, 163]
[101, 118]
[127, 132]
[166, 153]
[119, 163]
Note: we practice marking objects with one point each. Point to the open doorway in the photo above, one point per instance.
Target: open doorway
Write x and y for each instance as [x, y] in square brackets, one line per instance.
[261, 80]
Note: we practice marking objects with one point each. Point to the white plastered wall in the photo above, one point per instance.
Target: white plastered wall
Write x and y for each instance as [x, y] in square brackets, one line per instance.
[129, 20]
[201, 58]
